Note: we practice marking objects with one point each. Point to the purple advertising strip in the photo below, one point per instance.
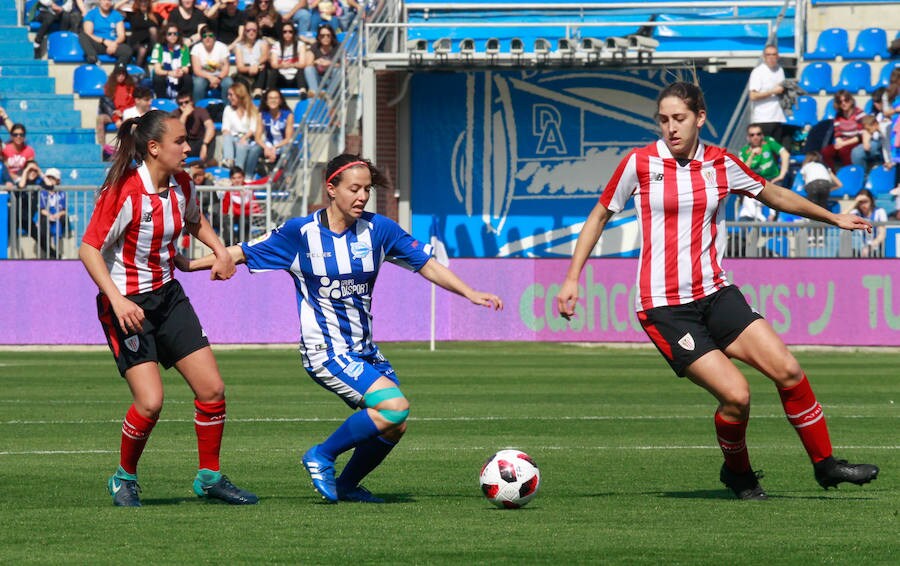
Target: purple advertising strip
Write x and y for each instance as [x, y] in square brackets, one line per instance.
[820, 301]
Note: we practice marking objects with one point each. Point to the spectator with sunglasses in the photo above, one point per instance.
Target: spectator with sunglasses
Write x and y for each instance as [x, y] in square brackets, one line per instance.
[17, 153]
[200, 128]
[209, 61]
[251, 56]
[323, 52]
[848, 130]
[288, 57]
[171, 63]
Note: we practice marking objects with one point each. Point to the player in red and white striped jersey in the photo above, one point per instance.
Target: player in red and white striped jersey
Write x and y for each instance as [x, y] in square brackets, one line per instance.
[696, 318]
[128, 249]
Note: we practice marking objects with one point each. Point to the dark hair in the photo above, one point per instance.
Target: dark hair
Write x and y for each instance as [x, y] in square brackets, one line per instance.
[868, 194]
[235, 171]
[131, 143]
[142, 92]
[379, 179]
[19, 126]
[265, 97]
[812, 157]
[689, 93]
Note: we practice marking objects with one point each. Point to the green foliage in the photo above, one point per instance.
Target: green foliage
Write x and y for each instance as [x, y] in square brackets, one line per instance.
[627, 453]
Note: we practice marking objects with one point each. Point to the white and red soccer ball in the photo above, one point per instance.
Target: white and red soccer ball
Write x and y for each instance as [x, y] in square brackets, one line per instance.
[510, 479]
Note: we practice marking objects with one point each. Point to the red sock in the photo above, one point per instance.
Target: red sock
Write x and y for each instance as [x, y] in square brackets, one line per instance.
[135, 433]
[209, 422]
[732, 437]
[806, 415]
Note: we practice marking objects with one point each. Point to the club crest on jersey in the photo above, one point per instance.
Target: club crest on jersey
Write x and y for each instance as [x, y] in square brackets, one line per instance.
[687, 342]
[360, 250]
[710, 176]
[353, 370]
[132, 343]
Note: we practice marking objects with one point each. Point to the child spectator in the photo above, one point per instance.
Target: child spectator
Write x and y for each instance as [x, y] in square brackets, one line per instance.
[52, 221]
[871, 150]
[118, 94]
[818, 180]
[143, 97]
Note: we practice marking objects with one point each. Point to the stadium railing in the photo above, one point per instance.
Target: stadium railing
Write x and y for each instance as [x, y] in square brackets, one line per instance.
[23, 204]
[728, 33]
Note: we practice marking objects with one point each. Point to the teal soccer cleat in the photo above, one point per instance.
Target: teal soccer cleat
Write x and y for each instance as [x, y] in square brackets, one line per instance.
[124, 492]
[223, 490]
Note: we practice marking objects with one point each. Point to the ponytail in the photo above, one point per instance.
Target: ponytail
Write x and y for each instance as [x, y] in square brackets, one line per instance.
[131, 144]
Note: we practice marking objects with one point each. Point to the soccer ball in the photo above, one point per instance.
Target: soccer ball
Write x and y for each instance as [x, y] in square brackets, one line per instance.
[510, 479]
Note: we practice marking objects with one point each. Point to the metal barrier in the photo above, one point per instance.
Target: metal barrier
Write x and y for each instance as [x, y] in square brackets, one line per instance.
[808, 239]
[236, 214]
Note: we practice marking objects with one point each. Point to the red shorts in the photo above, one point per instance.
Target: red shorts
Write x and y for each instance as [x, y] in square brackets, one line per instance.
[684, 333]
[171, 328]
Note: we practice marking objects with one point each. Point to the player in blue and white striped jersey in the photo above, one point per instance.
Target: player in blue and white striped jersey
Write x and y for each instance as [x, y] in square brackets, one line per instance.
[333, 256]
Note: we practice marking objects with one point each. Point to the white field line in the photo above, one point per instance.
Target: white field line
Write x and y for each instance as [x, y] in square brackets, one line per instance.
[485, 449]
[441, 419]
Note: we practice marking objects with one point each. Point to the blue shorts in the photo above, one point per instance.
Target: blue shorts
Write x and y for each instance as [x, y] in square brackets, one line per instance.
[350, 375]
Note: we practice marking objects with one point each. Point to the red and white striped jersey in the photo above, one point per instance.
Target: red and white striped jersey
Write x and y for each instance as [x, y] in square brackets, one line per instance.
[136, 228]
[680, 211]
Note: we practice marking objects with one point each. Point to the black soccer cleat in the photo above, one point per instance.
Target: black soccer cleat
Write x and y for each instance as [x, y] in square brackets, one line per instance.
[745, 486]
[830, 472]
[124, 492]
[226, 491]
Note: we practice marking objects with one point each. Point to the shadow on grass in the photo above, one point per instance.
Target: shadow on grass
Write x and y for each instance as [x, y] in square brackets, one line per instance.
[724, 494]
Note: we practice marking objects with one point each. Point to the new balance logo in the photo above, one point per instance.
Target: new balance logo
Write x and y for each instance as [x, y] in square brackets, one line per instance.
[147, 217]
[658, 177]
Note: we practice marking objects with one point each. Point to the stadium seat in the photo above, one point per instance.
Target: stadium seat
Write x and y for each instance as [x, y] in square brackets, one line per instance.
[830, 112]
[215, 107]
[816, 78]
[219, 173]
[805, 112]
[164, 104]
[880, 180]
[63, 47]
[300, 109]
[868, 107]
[852, 178]
[884, 78]
[832, 44]
[855, 77]
[137, 72]
[88, 80]
[778, 246]
[871, 43]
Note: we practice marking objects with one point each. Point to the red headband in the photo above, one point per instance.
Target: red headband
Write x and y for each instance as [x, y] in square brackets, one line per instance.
[343, 168]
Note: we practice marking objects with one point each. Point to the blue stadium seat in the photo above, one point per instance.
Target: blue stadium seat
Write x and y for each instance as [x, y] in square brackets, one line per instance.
[63, 47]
[855, 77]
[779, 246]
[880, 180]
[137, 72]
[88, 80]
[805, 112]
[816, 78]
[164, 104]
[852, 178]
[831, 44]
[212, 105]
[884, 78]
[300, 109]
[868, 107]
[871, 43]
[219, 173]
[830, 112]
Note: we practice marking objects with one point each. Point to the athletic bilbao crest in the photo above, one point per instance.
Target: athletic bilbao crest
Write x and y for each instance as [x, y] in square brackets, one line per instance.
[132, 343]
[687, 342]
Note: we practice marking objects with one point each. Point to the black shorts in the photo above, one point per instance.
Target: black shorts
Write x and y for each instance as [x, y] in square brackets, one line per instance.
[684, 333]
[171, 328]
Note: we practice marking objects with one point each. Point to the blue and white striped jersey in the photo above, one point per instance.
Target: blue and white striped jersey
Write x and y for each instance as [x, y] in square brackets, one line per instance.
[334, 275]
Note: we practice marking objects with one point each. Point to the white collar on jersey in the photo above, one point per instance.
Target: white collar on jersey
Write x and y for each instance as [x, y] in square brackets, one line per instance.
[149, 185]
[664, 152]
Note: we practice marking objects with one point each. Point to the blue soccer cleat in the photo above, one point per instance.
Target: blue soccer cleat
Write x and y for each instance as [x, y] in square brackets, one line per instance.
[358, 494]
[321, 472]
[124, 492]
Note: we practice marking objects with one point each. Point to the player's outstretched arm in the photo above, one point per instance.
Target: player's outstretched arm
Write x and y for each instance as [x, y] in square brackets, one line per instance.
[235, 254]
[223, 263]
[788, 201]
[446, 279]
[590, 234]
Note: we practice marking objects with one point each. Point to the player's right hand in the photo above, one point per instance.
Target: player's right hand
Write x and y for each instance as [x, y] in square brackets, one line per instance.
[566, 299]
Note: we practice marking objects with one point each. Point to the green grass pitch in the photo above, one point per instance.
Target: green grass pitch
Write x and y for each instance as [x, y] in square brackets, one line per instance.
[627, 454]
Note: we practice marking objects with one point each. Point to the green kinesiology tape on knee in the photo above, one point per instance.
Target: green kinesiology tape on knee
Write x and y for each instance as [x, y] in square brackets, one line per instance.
[395, 417]
[385, 394]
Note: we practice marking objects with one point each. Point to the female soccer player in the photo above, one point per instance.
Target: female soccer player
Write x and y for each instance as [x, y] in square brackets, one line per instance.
[334, 256]
[128, 250]
[696, 318]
